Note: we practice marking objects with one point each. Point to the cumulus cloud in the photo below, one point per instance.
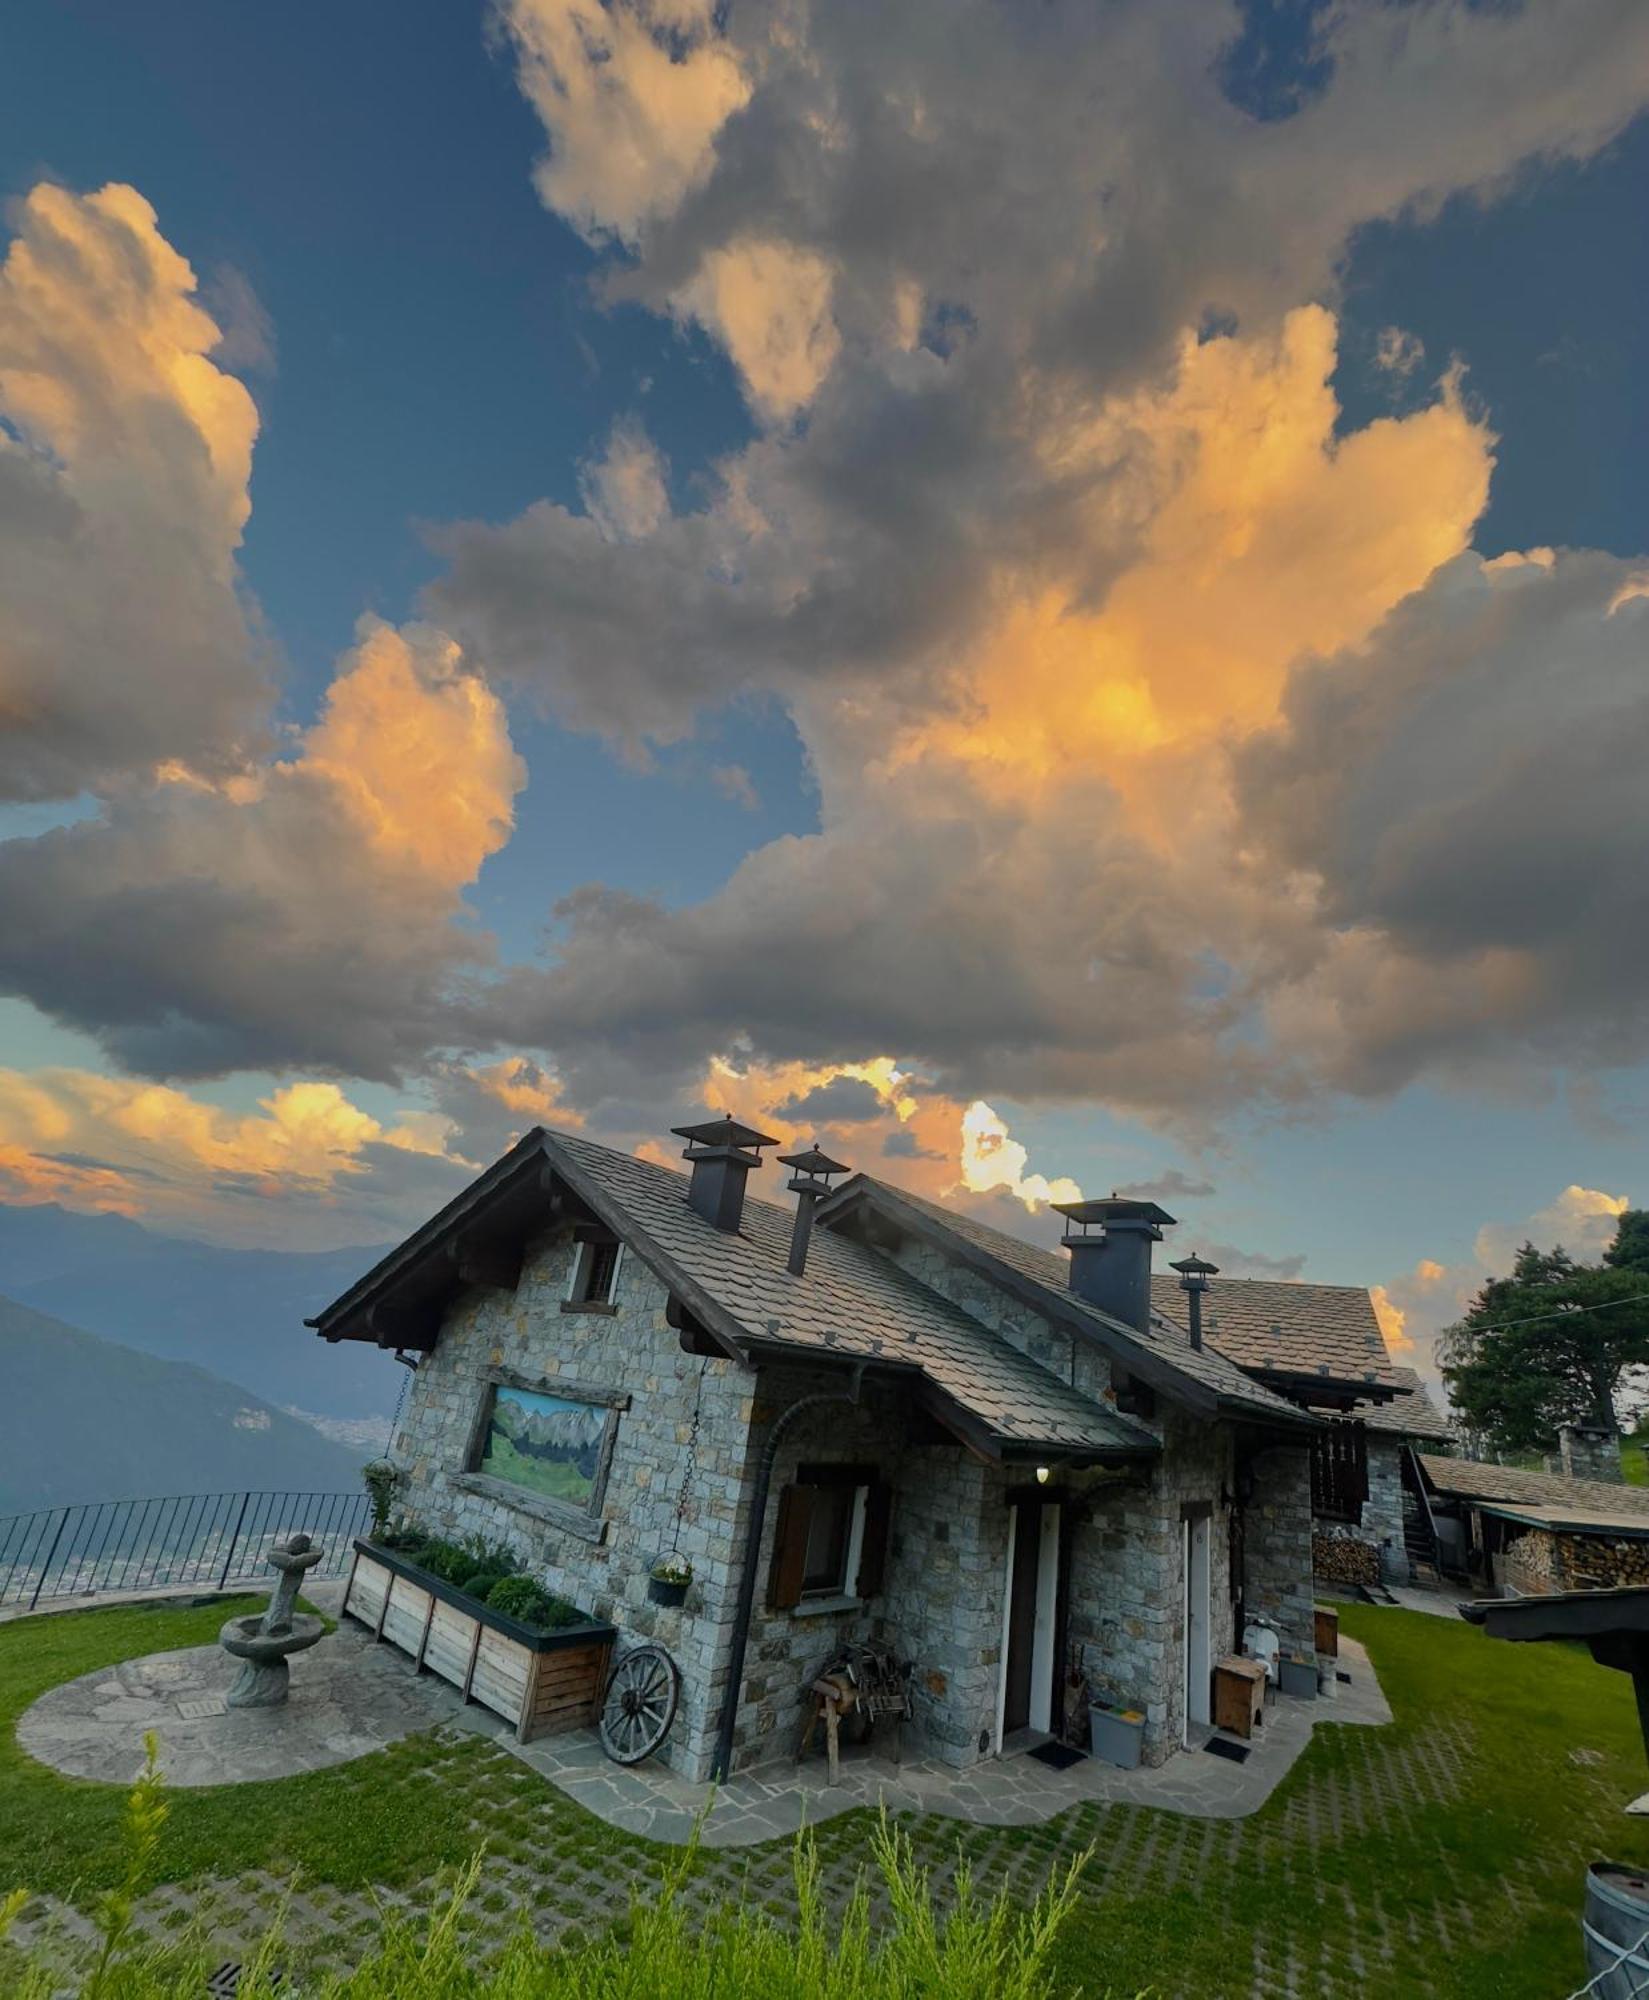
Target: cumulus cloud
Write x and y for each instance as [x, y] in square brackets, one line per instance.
[631, 95]
[125, 454]
[305, 912]
[308, 1164]
[1051, 499]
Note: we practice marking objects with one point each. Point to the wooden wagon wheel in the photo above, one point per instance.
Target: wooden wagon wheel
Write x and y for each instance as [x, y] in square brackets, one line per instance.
[640, 1704]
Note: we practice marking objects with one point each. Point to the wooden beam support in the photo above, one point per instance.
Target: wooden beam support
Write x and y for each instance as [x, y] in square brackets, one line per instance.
[486, 1260]
[413, 1327]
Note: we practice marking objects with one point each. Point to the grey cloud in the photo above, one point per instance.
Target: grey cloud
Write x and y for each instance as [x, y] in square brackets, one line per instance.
[1171, 1186]
[844, 1100]
[1235, 1263]
[1469, 791]
[295, 949]
[906, 1146]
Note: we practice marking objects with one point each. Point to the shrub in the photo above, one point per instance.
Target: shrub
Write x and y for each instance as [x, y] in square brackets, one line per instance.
[529, 1603]
[447, 1560]
[482, 1583]
[986, 1950]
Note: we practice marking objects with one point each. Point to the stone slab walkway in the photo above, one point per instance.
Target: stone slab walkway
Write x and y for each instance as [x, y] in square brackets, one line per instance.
[775, 1799]
[349, 1696]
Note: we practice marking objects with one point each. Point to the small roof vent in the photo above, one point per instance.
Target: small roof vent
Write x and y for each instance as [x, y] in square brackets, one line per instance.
[722, 1153]
[1194, 1273]
[810, 1178]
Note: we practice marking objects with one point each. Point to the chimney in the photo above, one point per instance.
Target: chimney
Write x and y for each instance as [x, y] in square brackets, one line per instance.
[722, 1153]
[1111, 1269]
[809, 1183]
[1194, 1273]
[1589, 1451]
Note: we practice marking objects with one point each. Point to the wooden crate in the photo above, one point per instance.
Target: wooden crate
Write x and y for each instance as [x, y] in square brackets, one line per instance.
[538, 1681]
[1239, 1695]
[1326, 1636]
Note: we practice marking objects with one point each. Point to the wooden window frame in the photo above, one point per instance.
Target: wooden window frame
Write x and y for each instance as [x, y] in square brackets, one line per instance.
[583, 1520]
[581, 1297]
[864, 1562]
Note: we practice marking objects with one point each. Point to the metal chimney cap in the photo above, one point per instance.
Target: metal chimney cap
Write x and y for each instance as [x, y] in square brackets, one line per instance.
[1194, 1267]
[721, 1135]
[1115, 1211]
[813, 1162]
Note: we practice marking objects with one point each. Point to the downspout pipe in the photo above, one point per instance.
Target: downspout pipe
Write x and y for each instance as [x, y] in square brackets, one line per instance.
[722, 1764]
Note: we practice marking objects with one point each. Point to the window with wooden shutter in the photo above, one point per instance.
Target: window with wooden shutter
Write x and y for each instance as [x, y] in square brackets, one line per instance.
[790, 1538]
[873, 1553]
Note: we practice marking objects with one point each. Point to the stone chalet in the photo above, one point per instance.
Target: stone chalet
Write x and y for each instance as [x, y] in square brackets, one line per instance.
[865, 1417]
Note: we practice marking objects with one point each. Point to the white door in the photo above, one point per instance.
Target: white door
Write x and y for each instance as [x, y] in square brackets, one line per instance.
[1198, 1664]
[1047, 1619]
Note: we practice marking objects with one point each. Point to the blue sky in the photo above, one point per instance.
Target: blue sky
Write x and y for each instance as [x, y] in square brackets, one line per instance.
[430, 336]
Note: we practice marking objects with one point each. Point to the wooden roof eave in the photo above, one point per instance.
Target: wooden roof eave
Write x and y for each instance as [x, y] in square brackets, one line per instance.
[374, 1294]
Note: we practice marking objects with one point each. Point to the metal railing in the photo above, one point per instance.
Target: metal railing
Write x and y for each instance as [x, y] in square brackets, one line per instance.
[186, 1541]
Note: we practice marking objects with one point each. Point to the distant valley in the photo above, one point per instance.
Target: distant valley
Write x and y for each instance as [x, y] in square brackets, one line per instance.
[84, 1418]
[237, 1313]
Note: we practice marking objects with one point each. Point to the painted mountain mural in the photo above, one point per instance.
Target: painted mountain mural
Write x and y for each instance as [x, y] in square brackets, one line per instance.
[545, 1443]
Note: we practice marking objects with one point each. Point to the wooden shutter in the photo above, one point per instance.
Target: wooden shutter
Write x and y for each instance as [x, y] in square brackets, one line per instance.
[873, 1549]
[784, 1578]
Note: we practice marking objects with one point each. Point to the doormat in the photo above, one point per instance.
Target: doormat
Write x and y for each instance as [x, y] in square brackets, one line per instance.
[1217, 1746]
[1340, 1674]
[1057, 1756]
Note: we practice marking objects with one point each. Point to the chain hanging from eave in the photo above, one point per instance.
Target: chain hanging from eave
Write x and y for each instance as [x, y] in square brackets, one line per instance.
[395, 1421]
[692, 1458]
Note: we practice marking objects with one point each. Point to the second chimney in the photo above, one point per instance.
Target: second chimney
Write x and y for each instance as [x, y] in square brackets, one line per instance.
[722, 1153]
[810, 1181]
[1110, 1245]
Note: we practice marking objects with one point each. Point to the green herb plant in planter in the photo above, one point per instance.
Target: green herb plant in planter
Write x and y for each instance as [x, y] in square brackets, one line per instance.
[670, 1577]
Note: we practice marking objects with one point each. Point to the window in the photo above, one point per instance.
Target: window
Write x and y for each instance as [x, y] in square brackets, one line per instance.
[595, 1272]
[1339, 1473]
[830, 1537]
[837, 1512]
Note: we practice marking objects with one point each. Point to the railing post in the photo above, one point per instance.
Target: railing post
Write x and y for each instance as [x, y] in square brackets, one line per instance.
[234, 1539]
[40, 1580]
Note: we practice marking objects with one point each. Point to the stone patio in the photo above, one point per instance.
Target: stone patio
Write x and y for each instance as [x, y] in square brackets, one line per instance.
[1017, 1790]
[349, 1697]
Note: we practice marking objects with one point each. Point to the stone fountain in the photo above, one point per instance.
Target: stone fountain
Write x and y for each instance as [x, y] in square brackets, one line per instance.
[266, 1642]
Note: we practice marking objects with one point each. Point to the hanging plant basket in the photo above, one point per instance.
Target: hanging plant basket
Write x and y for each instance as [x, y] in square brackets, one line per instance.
[669, 1581]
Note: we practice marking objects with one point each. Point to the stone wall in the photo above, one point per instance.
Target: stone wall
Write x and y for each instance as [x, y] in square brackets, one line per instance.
[634, 1350]
[1277, 1545]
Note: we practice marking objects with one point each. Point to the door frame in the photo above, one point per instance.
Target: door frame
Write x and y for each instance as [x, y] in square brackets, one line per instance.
[1045, 1622]
[1197, 1652]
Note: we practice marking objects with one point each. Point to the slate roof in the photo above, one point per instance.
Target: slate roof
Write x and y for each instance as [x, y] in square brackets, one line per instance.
[1513, 1487]
[1288, 1328]
[1411, 1413]
[851, 1303]
[1047, 1273]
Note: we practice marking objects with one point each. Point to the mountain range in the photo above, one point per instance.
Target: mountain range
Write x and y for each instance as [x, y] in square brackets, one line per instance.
[89, 1419]
[237, 1313]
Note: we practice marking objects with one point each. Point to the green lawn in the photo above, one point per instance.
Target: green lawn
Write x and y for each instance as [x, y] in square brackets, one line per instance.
[1441, 1856]
[1634, 1466]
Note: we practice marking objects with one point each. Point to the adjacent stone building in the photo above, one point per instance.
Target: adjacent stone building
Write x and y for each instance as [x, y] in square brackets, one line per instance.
[869, 1418]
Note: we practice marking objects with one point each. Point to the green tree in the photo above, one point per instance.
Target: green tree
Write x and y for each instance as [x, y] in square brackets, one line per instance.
[1553, 1343]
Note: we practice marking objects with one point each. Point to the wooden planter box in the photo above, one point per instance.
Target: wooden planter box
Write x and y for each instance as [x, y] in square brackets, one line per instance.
[539, 1681]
